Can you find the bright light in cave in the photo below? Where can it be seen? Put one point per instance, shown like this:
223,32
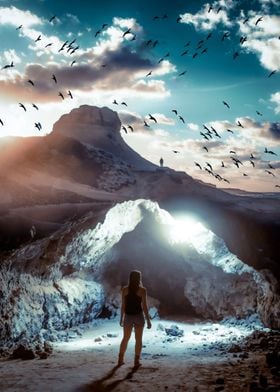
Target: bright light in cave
186,229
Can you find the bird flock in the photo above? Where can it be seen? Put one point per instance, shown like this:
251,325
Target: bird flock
191,49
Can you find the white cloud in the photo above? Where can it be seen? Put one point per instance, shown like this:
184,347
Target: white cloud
152,88
275,98
193,127
10,55
16,17
208,20
262,39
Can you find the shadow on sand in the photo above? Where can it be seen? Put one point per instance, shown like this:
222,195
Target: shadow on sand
101,385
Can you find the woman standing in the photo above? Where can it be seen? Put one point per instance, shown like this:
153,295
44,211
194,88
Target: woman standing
133,308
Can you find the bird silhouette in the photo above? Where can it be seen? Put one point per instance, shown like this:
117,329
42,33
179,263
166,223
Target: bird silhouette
205,148
52,19
270,166
277,186
38,126
259,20
149,74
61,95
258,113
229,130
266,151
70,94
73,62
178,19
22,106
252,156
184,53
54,78
175,151
152,118
38,38
19,27
131,128
11,65
272,73
232,152
209,36
48,45
205,127
226,104
124,103
35,106
128,31
223,165
124,128
252,163
146,124
269,172
31,82
182,119
182,73
210,166
115,102
155,43
225,35
239,124
175,111
198,165
1,122
245,20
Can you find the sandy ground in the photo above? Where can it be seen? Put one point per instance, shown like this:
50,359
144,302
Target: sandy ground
196,362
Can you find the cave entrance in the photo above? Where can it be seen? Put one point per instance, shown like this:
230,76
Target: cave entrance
187,269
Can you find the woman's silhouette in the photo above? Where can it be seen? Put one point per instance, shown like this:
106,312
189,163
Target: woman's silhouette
134,308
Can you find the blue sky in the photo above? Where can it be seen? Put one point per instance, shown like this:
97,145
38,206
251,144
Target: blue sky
162,34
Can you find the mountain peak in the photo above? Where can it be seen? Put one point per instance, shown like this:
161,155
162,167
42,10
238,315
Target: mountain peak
99,128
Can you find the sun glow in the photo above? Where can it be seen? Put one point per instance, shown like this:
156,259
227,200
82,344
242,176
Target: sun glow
189,230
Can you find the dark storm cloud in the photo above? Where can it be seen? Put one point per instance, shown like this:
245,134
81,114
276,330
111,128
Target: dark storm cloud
119,71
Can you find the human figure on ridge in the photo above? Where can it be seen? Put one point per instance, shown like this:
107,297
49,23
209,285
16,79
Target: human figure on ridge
133,309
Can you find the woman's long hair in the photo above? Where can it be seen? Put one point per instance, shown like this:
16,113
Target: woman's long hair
134,281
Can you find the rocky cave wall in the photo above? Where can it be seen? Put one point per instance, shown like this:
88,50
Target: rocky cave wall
81,269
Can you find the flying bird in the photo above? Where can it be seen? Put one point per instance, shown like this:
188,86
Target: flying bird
61,95
38,126
52,19
210,166
205,148
124,103
124,128
35,106
269,172
128,31
258,113
182,73
38,38
266,151
146,124
181,118
54,78
198,165
49,44
31,82
252,163
152,118
1,122
8,65
22,106
225,35
259,20
229,130
239,124
115,102
272,73
131,128
70,94
175,111
175,151
178,19
226,104
149,74
19,27
73,62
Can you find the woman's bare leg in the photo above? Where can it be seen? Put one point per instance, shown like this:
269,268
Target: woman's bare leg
123,346
138,330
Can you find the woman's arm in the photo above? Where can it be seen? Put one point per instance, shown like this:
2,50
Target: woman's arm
145,308
122,308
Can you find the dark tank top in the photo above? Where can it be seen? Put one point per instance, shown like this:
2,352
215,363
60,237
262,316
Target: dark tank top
133,303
